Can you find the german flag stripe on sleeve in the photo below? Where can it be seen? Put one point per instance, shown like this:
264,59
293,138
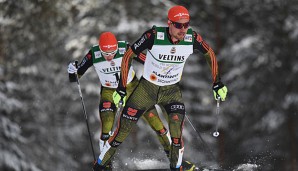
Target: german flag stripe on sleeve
125,66
142,57
214,65
211,54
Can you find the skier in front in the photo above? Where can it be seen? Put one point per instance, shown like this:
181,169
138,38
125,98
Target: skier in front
106,58
167,51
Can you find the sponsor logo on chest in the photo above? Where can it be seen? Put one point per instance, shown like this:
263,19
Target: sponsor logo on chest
171,58
112,63
97,54
188,38
122,51
173,50
160,35
111,69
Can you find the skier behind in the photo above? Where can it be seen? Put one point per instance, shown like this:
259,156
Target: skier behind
167,51
106,58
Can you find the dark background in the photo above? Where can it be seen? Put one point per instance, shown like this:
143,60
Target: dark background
42,123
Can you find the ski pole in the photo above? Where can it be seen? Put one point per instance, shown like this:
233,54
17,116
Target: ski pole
119,109
216,133
204,143
84,110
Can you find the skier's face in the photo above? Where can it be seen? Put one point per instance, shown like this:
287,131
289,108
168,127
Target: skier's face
109,55
178,29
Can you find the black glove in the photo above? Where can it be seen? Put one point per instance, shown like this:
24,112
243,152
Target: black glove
121,91
220,91
119,95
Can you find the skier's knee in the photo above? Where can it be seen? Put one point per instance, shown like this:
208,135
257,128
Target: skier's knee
176,142
162,131
175,107
131,113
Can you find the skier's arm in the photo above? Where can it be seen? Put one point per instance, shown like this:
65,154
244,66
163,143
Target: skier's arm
85,64
140,58
82,67
203,47
125,65
119,96
144,42
219,89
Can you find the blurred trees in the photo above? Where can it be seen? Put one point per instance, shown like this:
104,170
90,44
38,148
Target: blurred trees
42,124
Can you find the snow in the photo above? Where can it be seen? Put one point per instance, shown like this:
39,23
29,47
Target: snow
149,164
11,130
290,99
244,43
30,70
9,104
291,24
246,167
12,161
143,164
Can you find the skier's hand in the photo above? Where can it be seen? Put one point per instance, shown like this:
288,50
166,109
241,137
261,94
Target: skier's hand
220,91
119,96
72,71
72,68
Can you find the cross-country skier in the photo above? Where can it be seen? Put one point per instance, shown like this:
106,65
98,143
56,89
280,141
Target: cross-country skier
167,51
106,58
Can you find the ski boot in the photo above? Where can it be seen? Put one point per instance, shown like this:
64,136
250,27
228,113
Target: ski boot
188,166
97,167
176,169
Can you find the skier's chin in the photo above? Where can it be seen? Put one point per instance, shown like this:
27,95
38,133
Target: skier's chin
180,36
109,59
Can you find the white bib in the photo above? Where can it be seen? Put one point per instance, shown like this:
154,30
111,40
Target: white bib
164,63
109,72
